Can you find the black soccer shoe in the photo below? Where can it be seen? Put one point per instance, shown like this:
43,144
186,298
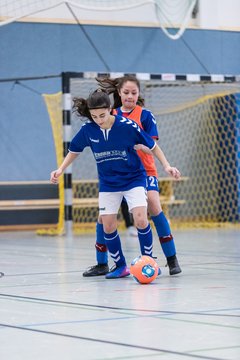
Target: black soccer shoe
1,274
96,270
172,263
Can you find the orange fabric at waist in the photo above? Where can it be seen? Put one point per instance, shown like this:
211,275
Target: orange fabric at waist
148,163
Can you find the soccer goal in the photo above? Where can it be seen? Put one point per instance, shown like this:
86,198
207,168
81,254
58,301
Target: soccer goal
198,119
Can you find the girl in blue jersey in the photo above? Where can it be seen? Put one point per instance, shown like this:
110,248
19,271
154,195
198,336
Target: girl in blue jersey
128,103
120,171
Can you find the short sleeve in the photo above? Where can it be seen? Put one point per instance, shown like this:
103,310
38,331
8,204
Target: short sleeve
80,141
149,123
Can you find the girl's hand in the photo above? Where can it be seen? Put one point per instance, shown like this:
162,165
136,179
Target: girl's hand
172,171
55,175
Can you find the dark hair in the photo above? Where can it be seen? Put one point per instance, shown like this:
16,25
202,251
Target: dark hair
98,99
113,86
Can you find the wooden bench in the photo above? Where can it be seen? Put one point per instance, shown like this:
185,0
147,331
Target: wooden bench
93,202
47,208
29,204
167,195
168,198
26,205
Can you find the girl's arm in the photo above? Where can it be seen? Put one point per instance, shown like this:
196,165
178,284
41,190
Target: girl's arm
66,162
158,153
144,149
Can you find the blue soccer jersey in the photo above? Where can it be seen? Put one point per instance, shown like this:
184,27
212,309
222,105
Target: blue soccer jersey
119,167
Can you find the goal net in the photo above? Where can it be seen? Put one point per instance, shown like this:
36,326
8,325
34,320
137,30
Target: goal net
199,132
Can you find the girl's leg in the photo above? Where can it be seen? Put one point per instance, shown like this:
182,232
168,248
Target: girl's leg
110,202
127,217
137,202
113,243
101,253
101,248
164,232
144,230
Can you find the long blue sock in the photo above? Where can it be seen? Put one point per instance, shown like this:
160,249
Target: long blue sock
114,247
101,248
146,240
164,234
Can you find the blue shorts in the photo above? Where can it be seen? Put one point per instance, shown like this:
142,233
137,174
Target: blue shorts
152,183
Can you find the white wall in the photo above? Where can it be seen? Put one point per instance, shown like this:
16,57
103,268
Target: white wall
219,14
213,14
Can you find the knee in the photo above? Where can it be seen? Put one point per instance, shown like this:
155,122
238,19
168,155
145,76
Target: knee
109,228
154,208
109,223
140,221
142,224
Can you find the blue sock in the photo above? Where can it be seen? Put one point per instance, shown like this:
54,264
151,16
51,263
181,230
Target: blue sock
146,240
101,248
114,247
164,234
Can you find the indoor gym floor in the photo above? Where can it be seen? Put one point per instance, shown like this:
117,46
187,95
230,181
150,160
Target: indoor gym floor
48,311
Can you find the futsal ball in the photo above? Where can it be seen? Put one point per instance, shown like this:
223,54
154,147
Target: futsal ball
144,269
